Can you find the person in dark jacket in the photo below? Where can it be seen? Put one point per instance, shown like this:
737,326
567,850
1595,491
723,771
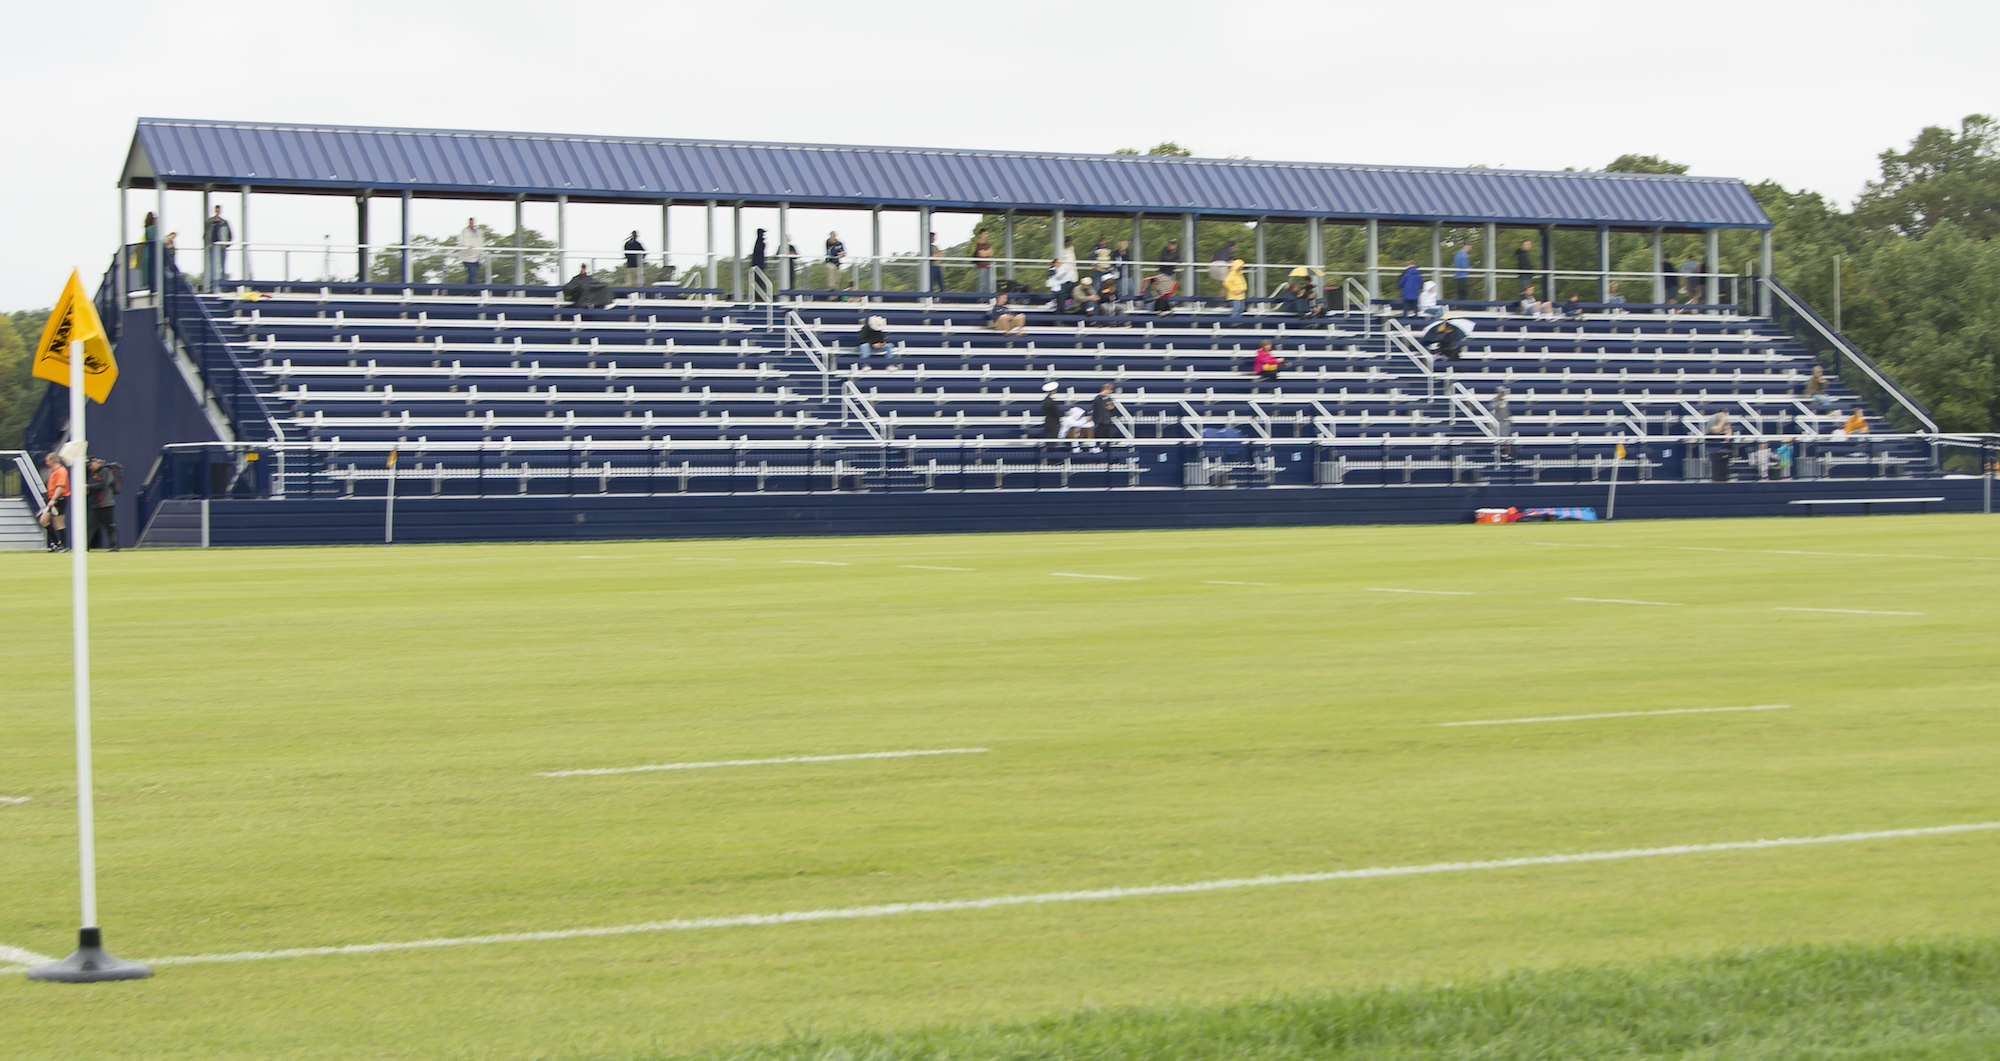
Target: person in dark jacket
102,500
635,259
1103,417
585,291
873,338
1051,416
757,251
1524,263
1410,284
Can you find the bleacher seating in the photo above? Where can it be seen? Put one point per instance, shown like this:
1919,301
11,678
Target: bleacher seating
348,364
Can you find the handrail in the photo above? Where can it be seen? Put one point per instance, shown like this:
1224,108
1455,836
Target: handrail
1465,401
852,400
1841,345
184,312
1404,341
822,359
31,477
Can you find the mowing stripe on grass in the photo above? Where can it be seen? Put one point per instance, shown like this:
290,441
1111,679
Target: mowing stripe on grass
15,799
934,567
762,762
1217,582
850,913
1115,578
1617,714
1427,592
1844,611
815,563
1615,600
1772,552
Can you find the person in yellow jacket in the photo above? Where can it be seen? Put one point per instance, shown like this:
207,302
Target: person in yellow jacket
1235,288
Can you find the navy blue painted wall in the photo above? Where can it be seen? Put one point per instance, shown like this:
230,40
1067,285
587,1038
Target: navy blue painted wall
585,517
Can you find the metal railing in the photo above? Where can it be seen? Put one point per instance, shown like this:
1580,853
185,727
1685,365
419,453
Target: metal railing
188,319
1889,392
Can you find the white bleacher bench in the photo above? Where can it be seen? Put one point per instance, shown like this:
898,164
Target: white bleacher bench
1867,503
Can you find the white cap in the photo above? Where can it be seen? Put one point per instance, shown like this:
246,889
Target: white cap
1048,386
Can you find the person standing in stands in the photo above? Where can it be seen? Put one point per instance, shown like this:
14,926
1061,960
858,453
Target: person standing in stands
982,262
55,492
1503,423
757,255
1121,260
1524,262
1787,452
1100,256
937,266
216,235
1103,416
835,251
635,260
101,502
1218,266
1051,415
1410,285
1461,271
1235,288
1721,450
1170,259
1670,281
470,244
1690,279
148,234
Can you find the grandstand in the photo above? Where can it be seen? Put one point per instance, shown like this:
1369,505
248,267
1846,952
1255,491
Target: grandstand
292,408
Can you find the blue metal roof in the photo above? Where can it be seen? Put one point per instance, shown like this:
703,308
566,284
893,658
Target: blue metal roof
461,164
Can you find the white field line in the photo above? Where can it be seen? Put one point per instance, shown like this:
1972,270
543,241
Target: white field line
713,559
1114,578
1770,552
1427,592
1217,582
1618,714
607,558
23,958
850,913
816,563
763,762
1615,600
1844,611
934,567
15,799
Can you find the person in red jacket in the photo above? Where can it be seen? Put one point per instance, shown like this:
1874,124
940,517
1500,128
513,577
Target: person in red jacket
1267,363
56,497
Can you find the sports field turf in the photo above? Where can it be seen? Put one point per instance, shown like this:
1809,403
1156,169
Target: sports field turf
307,748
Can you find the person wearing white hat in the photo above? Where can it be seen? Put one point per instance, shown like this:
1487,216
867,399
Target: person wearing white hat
1051,415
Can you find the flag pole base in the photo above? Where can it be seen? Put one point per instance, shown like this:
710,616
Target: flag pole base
90,964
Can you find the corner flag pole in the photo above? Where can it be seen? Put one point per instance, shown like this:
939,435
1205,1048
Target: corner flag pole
1611,505
90,963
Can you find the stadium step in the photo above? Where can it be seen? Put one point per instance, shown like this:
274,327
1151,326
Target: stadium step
18,530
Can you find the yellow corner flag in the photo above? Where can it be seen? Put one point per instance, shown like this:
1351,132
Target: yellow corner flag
73,318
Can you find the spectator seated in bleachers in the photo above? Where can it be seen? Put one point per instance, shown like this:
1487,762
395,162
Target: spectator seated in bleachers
1267,364
1816,388
1296,301
585,291
1427,300
1572,308
1533,306
873,338
1006,319
1161,289
1447,337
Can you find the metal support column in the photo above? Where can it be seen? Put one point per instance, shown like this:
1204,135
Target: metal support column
243,235
708,262
1007,242
1058,233
207,255
1764,270
1492,260
1712,268
785,279
923,248
1190,273
405,220
520,259
562,239
1548,263
736,251
1137,254
1603,263
875,245
1372,263
121,275
1659,266
361,237
1437,256
1315,254
1260,290
666,236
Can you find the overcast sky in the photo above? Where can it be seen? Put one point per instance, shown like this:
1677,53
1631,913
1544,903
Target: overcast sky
1804,94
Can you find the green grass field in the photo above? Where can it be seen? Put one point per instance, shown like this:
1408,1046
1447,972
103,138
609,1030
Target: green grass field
302,748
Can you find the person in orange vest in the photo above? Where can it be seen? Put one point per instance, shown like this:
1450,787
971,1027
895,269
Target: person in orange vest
55,492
